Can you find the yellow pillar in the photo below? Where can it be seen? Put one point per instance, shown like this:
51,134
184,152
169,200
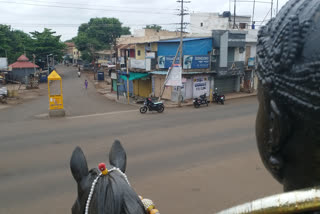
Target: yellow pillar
55,96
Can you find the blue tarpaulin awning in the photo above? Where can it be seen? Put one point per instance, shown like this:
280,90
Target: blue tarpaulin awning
134,76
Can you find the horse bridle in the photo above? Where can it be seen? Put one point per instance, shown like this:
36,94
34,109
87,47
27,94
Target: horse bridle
147,203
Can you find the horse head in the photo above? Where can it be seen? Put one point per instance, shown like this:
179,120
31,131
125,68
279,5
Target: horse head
107,193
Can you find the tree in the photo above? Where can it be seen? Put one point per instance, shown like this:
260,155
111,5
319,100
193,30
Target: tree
45,43
98,34
155,27
13,43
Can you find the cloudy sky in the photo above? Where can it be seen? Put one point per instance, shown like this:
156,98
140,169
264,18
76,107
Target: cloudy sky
64,17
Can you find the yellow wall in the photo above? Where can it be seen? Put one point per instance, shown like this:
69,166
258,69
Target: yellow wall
142,88
75,53
154,46
158,84
140,47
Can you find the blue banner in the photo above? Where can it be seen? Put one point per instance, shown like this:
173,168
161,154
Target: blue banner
196,62
166,61
189,61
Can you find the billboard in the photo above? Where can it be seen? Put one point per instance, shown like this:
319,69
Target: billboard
189,61
201,85
3,63
166,61
175,76
196,62
138,63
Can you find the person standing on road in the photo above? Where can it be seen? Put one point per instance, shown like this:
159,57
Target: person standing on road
86,84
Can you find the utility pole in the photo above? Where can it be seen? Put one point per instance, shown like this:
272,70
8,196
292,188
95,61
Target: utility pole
234,13
128,83
182,13
254,8
277,6
271,8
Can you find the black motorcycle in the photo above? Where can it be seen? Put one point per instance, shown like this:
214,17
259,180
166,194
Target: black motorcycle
151,106
218,98
197,102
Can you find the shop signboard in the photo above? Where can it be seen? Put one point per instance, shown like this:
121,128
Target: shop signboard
138,63
175,76
200,86
166,61
196,62
3,63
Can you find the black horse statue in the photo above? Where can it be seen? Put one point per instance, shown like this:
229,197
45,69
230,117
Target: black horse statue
104,193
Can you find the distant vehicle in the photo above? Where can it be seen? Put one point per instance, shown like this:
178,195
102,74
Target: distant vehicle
202,100
151,106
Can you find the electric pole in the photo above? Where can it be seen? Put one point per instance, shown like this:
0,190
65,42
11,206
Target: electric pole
254,8
234,13
271,8
182,13
277,6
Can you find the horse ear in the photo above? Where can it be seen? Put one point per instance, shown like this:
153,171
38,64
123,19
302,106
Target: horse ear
78,164
117,156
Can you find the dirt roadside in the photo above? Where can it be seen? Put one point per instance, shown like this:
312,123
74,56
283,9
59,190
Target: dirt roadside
24,95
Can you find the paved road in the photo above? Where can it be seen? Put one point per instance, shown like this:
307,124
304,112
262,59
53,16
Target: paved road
77,100
187,160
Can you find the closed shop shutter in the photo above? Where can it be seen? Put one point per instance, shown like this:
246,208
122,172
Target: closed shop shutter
136,87
225,85
145,87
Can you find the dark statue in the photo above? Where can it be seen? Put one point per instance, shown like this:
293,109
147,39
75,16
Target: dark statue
287,125
288,120
113,194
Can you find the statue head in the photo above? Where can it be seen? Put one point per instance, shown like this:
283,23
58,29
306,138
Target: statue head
288,120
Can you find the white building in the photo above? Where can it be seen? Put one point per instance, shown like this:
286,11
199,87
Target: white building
204,23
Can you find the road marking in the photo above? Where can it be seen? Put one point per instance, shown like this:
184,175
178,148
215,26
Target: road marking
101,114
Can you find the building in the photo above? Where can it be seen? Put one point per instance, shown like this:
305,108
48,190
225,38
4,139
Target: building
140,50
197,77
72,52
234,48
138,45
204,23
22,69
105,57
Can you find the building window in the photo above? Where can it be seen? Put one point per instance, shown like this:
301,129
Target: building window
201,24
139,52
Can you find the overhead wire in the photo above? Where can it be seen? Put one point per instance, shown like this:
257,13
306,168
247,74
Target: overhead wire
96,5
87,8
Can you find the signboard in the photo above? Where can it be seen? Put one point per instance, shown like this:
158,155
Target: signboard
3,63
196,62
200,86
251,62
175,76
150,55
189,61
166,61
114,76
138,63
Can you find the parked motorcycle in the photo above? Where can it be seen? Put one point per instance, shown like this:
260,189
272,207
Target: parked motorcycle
3,95
3,99
151,106
202,100
218,98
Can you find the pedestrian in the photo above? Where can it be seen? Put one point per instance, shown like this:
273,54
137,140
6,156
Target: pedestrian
86,84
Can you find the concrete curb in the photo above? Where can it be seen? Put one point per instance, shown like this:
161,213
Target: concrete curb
174,105
227,98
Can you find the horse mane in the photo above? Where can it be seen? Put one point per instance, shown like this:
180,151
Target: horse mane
113,195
